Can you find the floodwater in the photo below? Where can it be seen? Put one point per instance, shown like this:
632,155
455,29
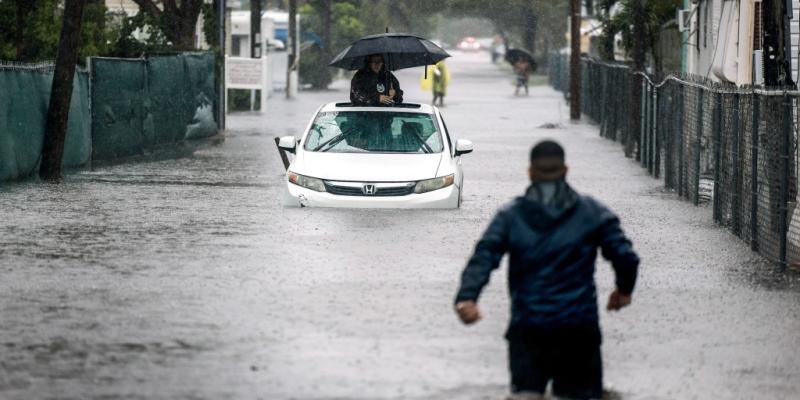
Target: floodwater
185,278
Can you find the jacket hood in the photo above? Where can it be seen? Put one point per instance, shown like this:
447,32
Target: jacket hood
546,203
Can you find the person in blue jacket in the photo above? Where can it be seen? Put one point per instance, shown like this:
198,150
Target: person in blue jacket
551,235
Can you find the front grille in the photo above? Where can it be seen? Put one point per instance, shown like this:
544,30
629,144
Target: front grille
386,191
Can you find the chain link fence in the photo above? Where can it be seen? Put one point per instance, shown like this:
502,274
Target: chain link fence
732,148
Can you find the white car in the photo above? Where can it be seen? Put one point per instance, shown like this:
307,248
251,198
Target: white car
375,157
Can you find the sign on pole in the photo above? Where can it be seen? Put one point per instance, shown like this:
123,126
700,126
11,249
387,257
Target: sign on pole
247,73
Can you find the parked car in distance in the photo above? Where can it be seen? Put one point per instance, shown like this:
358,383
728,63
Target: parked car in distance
469,43
375,157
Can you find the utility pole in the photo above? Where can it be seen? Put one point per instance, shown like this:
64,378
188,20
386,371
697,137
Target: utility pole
293,49
55,130
222,89
632,143
575,61
255,29
255,40
326,14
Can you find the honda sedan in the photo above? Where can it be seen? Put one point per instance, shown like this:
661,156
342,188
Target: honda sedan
375,157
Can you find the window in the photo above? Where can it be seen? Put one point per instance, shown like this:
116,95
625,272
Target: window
380,132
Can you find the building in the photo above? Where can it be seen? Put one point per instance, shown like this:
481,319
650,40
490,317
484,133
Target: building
724,39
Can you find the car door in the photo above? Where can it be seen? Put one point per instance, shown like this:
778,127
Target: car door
451,145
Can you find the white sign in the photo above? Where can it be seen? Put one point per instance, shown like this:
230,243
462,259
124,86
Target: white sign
248,73
244,73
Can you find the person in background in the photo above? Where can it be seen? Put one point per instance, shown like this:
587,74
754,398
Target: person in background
441,77
522,70
552,234
374,85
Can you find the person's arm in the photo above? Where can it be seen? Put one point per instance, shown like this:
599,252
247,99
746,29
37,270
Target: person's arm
398,93
488,252
617,249
359,92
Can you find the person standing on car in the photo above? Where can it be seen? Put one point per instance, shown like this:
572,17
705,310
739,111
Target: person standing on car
374,85
552,235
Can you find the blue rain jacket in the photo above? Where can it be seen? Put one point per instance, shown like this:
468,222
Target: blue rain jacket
552,248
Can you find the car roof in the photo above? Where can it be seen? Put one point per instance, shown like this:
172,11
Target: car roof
403,107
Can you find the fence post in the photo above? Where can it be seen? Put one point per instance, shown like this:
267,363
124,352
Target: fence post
716,130
656,136
754,173
681,130
736,205
642,119
653,152
699,137
785,145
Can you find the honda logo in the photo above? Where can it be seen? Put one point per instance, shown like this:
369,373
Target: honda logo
368,189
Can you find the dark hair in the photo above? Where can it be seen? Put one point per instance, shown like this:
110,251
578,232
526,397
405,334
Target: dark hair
547,150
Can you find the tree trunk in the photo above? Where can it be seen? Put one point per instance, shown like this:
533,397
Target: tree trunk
607,38
326,13
61,92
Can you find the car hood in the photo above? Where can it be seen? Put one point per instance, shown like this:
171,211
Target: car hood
371,167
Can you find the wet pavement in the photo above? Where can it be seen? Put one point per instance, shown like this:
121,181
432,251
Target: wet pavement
186,278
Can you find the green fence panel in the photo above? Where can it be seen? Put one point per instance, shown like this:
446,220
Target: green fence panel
24,98
118,92
202,90
167,101
78,143
22,108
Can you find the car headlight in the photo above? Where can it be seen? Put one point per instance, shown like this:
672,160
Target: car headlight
433,184
306,181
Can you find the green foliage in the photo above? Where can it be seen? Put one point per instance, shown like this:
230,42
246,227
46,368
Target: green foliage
657,14
126,45
346,27
39,31
35,37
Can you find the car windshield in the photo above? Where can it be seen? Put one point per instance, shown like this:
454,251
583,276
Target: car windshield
374,131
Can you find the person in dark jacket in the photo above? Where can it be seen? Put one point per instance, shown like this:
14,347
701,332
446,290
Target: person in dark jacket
374,85
552,235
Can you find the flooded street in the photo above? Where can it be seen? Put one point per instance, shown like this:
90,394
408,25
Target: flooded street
186,278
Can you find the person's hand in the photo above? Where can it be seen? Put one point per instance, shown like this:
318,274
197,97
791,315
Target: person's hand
386,100
391,93
617,300
468,312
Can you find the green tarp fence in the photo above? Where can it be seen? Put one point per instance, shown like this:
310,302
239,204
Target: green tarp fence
127,107
24,98
139,105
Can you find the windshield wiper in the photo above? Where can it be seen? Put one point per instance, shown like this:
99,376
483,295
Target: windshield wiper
332,142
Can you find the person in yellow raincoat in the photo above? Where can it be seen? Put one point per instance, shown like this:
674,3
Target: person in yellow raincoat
436,79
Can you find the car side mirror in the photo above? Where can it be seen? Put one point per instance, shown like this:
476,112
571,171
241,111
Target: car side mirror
463,146
288,143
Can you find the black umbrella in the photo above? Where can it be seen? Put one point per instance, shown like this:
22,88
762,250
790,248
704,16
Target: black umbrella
399,50
514,55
